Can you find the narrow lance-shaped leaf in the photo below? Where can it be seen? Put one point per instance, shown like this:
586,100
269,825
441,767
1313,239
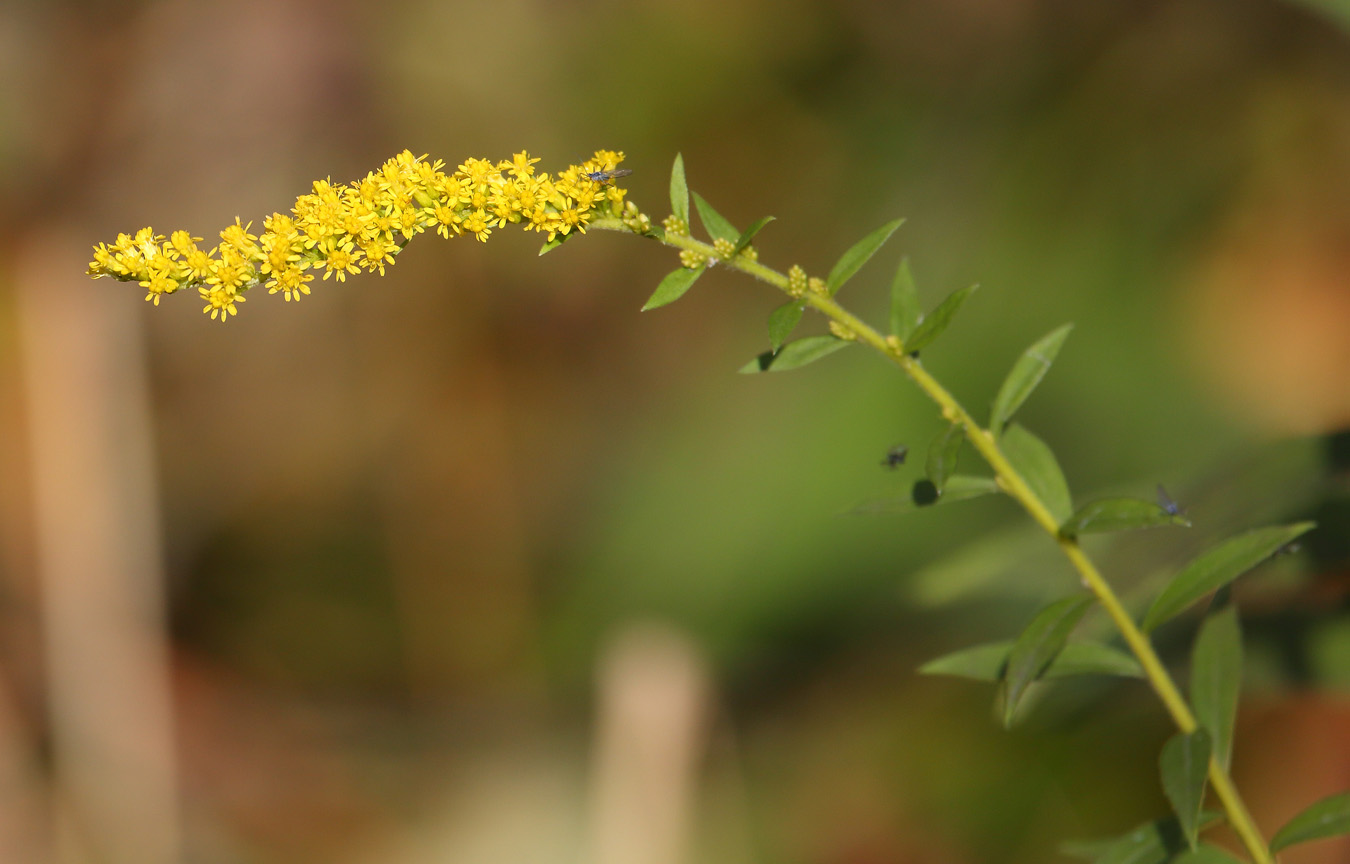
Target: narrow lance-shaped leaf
1216,679
1118,514
942,455
713,222
674,286
978,662
853,260
1036,463
1093,658
679,190
1205,854
783,320
905,309
1038,645
959,487
1026,373
935,323
1151,843
1326,818
1220,566
795,354
749,234
987,662
1184,764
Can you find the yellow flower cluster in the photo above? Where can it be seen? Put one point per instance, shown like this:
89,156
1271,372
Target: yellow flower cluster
361,226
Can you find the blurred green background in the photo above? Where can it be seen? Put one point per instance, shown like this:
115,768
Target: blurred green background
474,562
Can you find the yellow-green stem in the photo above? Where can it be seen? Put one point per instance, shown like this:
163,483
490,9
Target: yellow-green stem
1012,483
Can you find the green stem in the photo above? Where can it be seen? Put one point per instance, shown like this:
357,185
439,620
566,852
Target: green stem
1012,483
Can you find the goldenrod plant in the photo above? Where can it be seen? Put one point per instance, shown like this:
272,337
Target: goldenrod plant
361,227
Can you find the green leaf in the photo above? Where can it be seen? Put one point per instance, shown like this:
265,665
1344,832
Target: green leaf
749,234
1151,843
679,190
961,487
853,260
674,286
986,662
978,662
795,354
717,227
1026,373
1093,658
1034,460
783,320
1216,679
1220,566
942,455
935,322
1205,854
1038,645
1118,514
1326,818
905,308
1184,764
558,240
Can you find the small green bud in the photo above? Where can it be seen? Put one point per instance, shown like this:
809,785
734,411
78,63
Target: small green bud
691,259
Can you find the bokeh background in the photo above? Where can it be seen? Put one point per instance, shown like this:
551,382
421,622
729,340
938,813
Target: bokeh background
475,563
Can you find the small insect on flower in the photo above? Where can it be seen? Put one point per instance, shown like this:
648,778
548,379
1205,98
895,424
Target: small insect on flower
1169,506
606,176
895,457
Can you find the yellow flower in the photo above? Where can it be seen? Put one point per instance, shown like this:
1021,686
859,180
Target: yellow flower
237,236
198,264
447,220
377,253
161,280
220,301
232,272
521,164
339,259
478,224
293,281
183,243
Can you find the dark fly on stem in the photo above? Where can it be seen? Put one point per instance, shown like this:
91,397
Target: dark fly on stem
895,457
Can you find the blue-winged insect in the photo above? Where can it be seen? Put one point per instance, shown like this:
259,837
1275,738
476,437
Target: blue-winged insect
895,457
606,176
1170,507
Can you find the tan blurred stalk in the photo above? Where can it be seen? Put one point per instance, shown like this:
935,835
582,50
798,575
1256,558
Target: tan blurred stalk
22,838
97,552
650,740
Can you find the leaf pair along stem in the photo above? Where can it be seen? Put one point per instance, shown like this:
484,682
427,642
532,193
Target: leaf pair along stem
986,442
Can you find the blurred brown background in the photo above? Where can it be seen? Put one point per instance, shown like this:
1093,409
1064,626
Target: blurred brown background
475,563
